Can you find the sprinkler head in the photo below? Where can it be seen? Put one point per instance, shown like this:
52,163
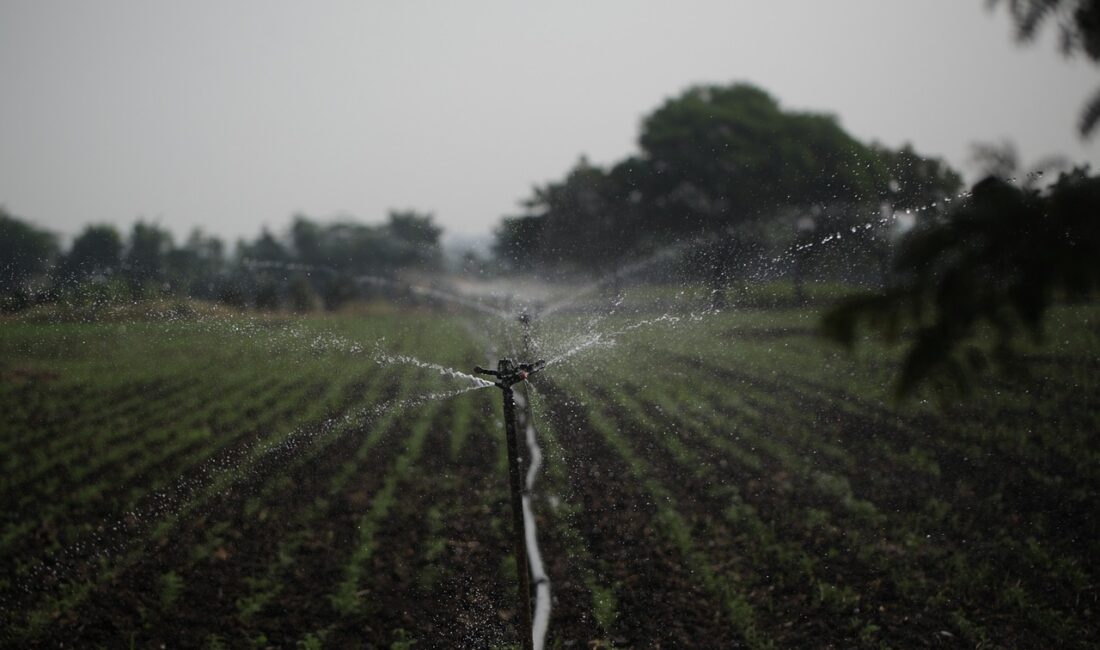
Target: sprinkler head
509,373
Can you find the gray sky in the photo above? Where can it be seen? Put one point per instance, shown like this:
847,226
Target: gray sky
230,115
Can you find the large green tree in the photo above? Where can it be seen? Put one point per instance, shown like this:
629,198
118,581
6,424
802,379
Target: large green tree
727,168
194,267
342,251
25,251
587,221
408,239
414,239
144,262
266,248
97,250
724,155
516,241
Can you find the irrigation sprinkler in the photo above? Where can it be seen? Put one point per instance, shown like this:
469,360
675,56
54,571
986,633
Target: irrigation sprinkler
507,375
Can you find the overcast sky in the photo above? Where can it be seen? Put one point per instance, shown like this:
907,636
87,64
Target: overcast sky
232,115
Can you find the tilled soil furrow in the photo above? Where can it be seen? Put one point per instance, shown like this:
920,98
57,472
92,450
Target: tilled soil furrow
659,601
132,599
299,507
776,591
107,506
566,559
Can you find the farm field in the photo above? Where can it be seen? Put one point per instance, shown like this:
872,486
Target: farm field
708,480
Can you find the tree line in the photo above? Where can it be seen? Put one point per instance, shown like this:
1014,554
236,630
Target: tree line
728,168
744,183
310,265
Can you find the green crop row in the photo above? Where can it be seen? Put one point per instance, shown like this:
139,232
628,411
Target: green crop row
785,495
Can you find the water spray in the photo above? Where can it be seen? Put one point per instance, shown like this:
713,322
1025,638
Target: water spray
507,375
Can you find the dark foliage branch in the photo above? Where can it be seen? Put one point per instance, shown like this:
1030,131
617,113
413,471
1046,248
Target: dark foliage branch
1078,23
989,271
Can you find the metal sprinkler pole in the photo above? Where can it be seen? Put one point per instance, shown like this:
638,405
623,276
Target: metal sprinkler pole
507,374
